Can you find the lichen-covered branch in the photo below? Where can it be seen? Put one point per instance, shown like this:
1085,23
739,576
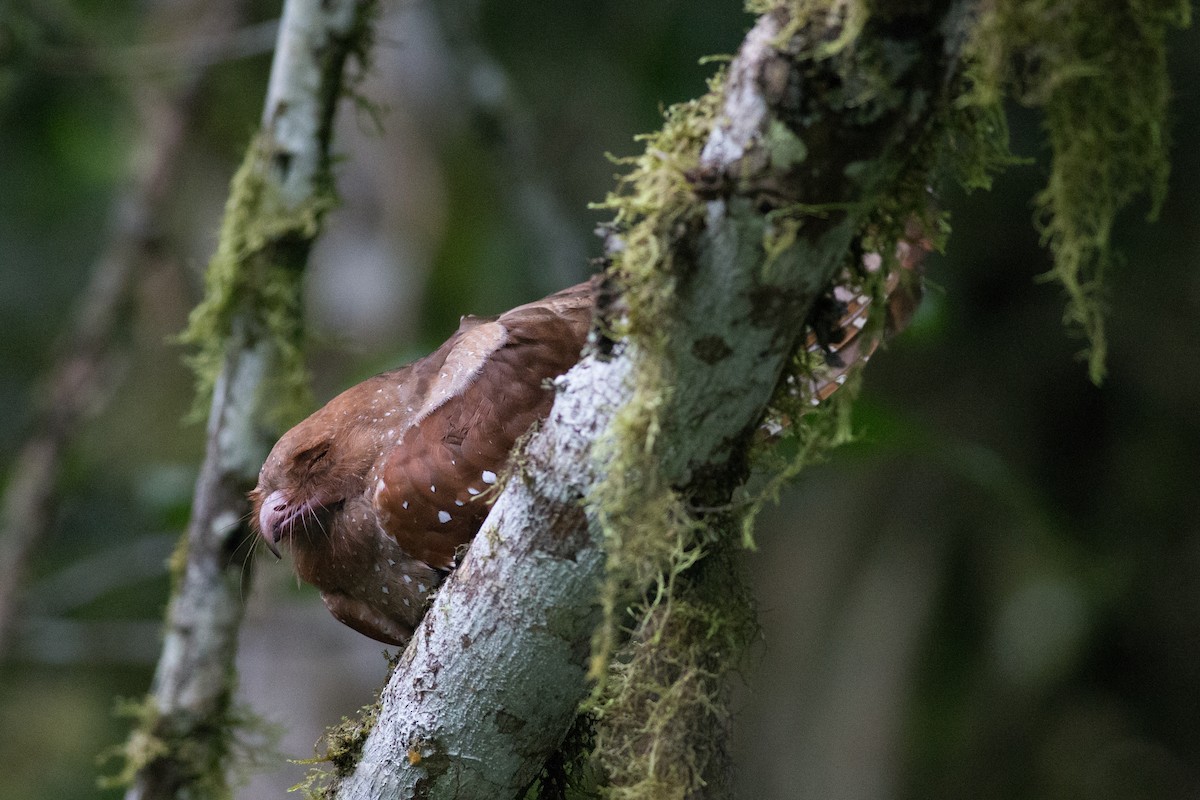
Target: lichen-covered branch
247,331
727,230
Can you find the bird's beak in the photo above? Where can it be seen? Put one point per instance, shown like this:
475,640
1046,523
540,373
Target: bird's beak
270,519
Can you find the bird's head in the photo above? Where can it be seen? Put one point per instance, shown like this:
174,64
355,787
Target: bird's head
310,474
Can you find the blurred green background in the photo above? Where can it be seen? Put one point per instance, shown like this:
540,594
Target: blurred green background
993,594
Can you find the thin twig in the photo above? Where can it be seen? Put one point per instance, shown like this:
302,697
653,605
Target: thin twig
192,53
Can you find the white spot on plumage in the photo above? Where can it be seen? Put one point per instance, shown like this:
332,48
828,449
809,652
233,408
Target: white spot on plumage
392,562
472,490
406,602
443,517
432,488
404,505
384,589
859,322
408,578
422,588
489,476
840,379
458,502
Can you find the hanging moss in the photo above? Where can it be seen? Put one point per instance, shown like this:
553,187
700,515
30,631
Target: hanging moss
663,728
1097,70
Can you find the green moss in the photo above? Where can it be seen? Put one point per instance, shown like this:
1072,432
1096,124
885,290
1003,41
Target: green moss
343,744
140,749
651,539
207,758
648,531
1098,72
663,727
177,563
255,278
853,15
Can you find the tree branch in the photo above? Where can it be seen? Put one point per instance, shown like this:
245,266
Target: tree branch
277,203
815,131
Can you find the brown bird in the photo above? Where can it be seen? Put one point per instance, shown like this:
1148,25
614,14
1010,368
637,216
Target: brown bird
377,491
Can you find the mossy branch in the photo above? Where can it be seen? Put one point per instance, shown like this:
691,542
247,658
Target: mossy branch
255,279
818,145
728,228
248,335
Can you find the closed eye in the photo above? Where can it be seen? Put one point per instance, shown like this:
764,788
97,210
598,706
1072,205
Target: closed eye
310,458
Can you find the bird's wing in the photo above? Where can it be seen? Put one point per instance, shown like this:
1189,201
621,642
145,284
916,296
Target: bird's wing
432,491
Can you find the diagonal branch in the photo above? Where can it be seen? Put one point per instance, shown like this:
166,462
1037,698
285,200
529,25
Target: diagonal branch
740,217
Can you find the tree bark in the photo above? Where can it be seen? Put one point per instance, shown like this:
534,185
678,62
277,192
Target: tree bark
495,673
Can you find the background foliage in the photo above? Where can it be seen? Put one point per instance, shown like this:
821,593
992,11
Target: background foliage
992,593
